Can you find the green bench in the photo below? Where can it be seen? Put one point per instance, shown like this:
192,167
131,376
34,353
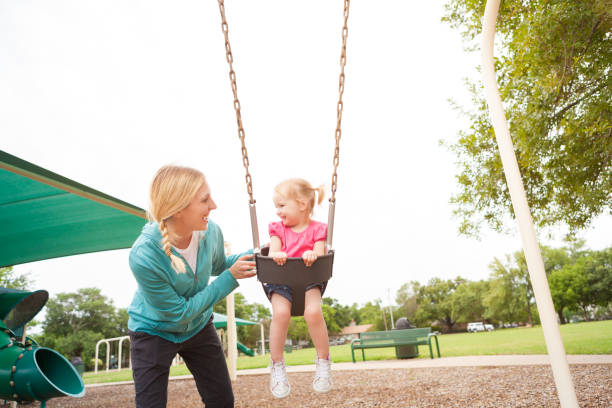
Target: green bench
393,338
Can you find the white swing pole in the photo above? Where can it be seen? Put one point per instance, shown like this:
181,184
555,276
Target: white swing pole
548,317
232,337
263,339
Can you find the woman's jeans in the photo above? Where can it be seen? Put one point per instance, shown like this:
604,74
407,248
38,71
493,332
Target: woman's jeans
151,359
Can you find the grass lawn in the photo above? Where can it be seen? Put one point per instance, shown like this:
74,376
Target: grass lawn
578,338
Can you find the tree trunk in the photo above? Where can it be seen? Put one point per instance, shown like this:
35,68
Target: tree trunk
449,323
561,318
585,313
529,316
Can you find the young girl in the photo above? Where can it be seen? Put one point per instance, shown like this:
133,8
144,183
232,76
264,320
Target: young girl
297,235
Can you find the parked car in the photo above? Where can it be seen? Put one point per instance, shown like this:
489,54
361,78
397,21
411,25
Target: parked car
337,341
475,327
489,327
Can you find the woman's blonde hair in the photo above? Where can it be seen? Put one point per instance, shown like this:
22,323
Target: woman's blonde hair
172,190
300,189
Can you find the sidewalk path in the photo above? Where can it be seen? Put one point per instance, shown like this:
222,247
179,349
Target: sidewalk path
464,361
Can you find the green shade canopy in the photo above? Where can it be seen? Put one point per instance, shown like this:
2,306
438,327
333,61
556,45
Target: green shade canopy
44,215
220,321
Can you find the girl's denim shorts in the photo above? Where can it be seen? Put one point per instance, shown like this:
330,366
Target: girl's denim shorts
285,291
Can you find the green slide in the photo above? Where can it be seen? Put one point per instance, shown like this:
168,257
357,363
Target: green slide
245,349
29,372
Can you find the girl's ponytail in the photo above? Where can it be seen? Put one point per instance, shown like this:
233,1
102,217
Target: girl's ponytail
320,194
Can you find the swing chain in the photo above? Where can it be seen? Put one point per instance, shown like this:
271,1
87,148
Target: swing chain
340,105
230,59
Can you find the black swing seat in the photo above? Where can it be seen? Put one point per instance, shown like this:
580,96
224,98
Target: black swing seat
295,274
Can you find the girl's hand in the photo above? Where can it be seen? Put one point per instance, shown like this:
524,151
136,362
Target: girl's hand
279,257
309,257
242,268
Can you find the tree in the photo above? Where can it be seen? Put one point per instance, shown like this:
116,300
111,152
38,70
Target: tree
567,288
298,329
583,284
597,266
75,322
10,279
553,70
434,301
373,313
87,309
342,315
467,301
510,296
407,301
555,259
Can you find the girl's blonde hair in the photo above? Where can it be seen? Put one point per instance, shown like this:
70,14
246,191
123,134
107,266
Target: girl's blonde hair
172,190
300,189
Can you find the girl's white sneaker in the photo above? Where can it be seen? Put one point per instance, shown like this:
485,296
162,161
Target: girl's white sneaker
279,383
322,381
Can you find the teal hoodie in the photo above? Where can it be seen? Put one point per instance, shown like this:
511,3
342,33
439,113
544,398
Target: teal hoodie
176,306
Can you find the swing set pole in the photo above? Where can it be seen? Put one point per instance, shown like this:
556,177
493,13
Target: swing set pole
548,317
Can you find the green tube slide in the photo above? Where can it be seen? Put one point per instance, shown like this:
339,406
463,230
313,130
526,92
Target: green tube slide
29,372
245,349
32,373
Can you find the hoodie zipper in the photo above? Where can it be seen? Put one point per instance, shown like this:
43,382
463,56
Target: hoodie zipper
195,277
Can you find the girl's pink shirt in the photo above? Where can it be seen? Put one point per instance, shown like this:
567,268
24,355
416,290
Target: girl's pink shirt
294,244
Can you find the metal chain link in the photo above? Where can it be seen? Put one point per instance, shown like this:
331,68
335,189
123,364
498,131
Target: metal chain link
340,105
232,75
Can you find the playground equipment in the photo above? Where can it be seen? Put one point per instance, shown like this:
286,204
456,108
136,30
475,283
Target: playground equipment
245,349
41,206
294,274
267,271
535,264
29,372
107,342
17,307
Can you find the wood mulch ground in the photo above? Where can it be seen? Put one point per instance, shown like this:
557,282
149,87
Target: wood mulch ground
514,386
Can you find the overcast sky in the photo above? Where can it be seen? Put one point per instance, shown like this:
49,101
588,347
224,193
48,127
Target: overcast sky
106,92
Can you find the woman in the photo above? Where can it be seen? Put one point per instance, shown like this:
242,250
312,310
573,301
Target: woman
172,261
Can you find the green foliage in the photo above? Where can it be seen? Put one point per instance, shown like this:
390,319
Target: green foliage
255,312
342,315
510,296
582,284
370,313
87,309
10,279
298,329
435,302
75,322
329,314
553,70
467,301
597,266
567,287
407,301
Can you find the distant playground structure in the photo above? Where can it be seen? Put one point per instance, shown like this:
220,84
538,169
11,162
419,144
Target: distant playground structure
112,363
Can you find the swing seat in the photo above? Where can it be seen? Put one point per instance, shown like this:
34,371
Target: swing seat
295,274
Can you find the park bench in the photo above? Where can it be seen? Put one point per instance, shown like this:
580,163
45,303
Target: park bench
394,338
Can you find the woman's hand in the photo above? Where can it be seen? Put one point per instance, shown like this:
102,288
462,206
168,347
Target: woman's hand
309,257
279,257
242,268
